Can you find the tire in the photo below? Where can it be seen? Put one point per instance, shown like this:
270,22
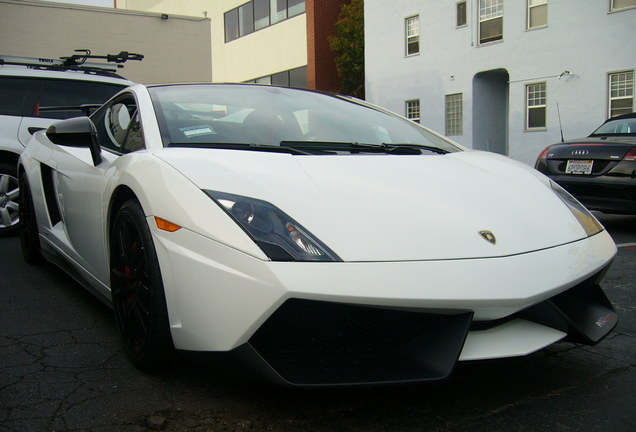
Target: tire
28,227
9,196
139,302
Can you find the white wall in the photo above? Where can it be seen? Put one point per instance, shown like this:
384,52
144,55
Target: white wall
582,36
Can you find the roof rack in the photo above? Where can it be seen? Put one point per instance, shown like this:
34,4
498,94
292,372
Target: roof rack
76,62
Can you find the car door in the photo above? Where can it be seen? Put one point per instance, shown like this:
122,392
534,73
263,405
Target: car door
83,188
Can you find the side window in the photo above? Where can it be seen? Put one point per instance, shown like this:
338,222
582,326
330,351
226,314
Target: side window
18,96
134,139
118,126
117,121
72,94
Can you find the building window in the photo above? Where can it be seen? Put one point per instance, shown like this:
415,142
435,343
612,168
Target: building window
258,14
261,14
454,114
622,4
621,93
461,13
412,35
278,10
295,7
290,78
537,14
535,106
490,20
231,25
413,110
246,19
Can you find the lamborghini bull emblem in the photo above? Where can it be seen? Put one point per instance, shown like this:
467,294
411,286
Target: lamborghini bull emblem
488,236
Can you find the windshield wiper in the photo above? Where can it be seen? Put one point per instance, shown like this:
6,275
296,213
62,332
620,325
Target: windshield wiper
356,147
412,147
241,146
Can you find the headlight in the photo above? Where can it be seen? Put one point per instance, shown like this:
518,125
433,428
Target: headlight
585,218
276,233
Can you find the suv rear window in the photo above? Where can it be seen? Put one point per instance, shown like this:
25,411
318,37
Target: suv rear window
27,96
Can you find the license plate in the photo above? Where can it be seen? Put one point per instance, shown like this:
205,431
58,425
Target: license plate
579,167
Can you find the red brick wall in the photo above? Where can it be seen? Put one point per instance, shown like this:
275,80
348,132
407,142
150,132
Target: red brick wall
321,68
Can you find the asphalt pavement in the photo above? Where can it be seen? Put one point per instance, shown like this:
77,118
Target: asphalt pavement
62,369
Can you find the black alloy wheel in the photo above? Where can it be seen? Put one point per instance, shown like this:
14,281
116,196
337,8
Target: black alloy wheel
9,195
139,302
29,234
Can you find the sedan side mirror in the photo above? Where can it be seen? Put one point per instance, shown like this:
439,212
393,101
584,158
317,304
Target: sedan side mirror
76,132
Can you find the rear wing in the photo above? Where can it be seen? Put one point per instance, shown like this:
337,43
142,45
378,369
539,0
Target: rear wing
76,62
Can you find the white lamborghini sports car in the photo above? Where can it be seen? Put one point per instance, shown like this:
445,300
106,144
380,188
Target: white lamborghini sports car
316,238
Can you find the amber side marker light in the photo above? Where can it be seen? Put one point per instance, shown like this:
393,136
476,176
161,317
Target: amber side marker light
165,225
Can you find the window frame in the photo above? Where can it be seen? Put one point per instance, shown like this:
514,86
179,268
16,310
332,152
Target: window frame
500,3
454,121
465,13
613,8
529,7
543,106
609,91
408,110
407,37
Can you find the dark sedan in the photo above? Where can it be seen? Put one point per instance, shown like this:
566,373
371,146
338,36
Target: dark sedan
600,170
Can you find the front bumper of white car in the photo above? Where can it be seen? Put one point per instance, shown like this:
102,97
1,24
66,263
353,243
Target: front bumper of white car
314,324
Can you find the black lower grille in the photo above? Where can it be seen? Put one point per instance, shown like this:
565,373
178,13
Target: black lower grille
304,327
309,342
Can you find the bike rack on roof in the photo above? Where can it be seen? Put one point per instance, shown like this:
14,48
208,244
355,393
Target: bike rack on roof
75,62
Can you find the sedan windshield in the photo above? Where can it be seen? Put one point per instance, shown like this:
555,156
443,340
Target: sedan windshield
266,117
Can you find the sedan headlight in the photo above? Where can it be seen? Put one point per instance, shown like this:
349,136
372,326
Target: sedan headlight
585,218
276,233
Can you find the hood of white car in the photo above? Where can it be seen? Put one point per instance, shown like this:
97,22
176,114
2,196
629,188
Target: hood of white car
395,207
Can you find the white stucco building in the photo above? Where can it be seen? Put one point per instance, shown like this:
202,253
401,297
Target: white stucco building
490,74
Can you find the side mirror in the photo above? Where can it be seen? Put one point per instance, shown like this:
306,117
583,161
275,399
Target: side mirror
76,132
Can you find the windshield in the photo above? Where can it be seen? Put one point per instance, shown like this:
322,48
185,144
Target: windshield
211,115
625,126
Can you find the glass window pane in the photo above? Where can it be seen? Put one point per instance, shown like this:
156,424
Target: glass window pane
412,25
246,19
621,106
413,110
261,14
536,117
413,46
619,4
73,94
18,96
454,114
264,80
538,16
281,79
278,9
298,77
491,30
490,9
231,25
461,14
622,84
295,7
